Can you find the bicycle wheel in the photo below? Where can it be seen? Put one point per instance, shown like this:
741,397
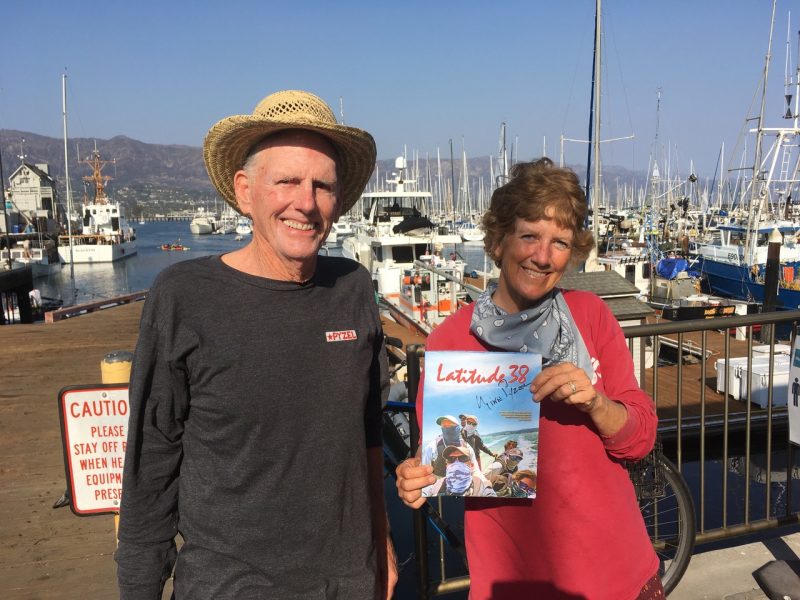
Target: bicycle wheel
668,512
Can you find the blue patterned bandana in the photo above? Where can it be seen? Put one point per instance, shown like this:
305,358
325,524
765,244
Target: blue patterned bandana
458,478
547,328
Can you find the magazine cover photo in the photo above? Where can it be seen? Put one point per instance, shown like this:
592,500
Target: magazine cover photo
480,425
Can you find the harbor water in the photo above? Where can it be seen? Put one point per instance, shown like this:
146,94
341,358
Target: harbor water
105,280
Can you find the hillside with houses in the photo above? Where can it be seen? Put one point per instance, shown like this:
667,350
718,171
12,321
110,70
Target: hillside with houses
155,178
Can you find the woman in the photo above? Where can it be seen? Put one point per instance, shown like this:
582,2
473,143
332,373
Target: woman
583,536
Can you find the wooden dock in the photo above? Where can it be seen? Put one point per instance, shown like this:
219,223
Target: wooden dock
48,553
686,385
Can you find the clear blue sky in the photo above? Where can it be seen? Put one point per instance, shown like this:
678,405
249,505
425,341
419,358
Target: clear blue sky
414,73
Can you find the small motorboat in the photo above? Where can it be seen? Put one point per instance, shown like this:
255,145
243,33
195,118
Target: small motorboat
174,247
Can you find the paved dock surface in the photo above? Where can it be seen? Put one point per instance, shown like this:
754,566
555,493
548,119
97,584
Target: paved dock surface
48,553
727,574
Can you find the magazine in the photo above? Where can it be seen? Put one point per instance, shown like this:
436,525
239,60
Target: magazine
480,425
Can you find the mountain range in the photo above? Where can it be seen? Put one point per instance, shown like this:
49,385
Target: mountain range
173,177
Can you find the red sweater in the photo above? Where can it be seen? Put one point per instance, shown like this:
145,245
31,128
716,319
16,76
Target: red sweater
583,537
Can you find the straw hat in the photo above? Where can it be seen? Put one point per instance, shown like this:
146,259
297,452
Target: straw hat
229,141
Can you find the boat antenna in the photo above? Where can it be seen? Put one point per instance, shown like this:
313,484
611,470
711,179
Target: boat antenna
502,176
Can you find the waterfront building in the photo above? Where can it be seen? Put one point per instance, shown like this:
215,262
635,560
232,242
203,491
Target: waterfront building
32,198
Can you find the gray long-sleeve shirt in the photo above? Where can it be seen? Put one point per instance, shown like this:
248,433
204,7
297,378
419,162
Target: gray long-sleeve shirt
252,403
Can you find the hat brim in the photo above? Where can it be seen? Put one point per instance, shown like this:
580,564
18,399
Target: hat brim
450,450
229,141
448,417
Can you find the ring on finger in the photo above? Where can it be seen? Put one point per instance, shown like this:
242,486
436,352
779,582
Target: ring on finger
572,387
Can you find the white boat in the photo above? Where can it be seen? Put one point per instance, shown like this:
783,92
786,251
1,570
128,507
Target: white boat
244,226
105,236
395,241
471,232
227,222
203,223
42,258
339,231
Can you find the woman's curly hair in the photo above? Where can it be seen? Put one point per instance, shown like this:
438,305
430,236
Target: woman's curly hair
538,190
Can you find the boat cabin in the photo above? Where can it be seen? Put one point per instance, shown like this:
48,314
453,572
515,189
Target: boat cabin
384,206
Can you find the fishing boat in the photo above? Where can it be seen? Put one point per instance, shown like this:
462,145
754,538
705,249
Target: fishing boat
105,236
203,223
395,237
734,262
244,226
735,265
42,257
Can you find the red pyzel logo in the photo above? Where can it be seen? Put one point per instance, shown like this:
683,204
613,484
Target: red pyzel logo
341,336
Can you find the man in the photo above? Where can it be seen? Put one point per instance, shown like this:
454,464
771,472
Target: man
461,479
526,481
502,470
433,453
248,364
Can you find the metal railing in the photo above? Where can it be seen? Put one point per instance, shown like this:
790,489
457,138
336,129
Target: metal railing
690,437
687,437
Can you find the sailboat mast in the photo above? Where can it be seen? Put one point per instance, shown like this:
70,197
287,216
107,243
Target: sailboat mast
596,134
758,191
503,153
453,187
594,126
439,181
593,158
466,206
5,214
66,175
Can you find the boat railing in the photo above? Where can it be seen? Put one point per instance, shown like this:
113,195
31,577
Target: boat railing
447,273
94,238
731,445
21,253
